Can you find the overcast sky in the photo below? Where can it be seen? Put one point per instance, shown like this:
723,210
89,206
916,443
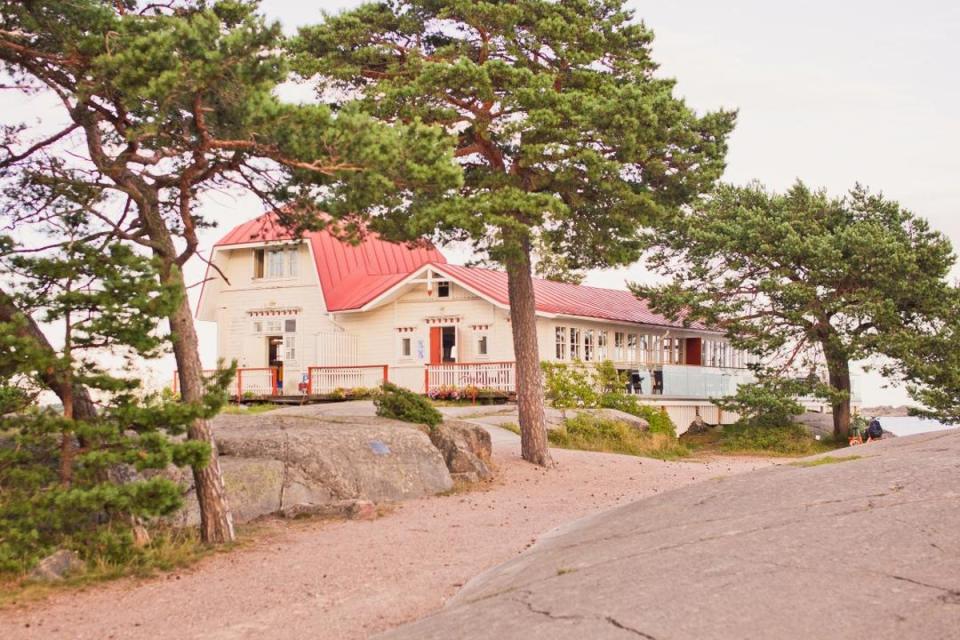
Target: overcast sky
833,93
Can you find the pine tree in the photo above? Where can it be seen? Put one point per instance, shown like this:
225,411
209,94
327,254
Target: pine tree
165,102
564,132
58,476
804,277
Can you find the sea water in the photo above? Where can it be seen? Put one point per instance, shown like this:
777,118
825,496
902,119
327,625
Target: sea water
910,425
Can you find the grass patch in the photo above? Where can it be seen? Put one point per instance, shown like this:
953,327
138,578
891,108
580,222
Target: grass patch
753,440
510,426
249,409
169,549
819,462
589,433
787,440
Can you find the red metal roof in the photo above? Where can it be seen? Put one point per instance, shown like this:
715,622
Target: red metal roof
350,275
565,299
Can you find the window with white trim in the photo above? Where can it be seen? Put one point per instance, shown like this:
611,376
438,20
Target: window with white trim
443,289
588,345
574,343
406,347
482,344
289,348
275,263
561,340
618,342
632,348
602,337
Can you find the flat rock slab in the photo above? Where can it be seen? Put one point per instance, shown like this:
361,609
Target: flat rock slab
859,548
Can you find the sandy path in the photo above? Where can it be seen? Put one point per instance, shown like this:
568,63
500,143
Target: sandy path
352,579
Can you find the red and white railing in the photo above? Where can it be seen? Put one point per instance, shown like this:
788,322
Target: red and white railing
259,381
321,380
494,376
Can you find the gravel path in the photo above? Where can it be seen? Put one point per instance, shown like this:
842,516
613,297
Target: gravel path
353,579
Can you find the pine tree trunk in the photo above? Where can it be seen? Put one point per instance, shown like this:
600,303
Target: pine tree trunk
529,382
838,369
216,521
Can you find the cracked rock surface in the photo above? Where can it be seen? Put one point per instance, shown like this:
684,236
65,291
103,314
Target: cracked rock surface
862,547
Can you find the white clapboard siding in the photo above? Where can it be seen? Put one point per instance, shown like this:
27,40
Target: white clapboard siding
337,348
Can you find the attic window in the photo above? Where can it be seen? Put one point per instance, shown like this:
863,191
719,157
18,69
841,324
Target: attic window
443,289
258,263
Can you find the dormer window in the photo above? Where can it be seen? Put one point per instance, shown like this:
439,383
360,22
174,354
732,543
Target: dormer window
275,263
443,289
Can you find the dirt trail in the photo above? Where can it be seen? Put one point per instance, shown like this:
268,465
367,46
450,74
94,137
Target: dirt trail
353,579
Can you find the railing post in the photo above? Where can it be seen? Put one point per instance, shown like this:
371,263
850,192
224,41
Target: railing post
239,384
309,381
426,379
386,374
273,381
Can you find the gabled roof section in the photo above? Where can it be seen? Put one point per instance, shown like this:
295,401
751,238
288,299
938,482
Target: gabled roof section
350,275
558,298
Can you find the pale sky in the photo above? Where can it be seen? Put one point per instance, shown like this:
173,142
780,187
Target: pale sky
832,93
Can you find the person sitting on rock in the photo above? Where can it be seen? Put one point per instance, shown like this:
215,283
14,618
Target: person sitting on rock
874,431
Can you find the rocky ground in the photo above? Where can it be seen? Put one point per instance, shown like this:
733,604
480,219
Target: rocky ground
351,579
862,545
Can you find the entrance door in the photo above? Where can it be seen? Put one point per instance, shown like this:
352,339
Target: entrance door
694,351
443,345
275,357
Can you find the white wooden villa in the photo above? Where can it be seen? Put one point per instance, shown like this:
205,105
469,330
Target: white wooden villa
312,315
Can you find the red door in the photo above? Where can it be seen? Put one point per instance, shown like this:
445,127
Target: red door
695,351
436,345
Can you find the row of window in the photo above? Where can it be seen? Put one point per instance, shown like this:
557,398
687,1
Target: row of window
588,345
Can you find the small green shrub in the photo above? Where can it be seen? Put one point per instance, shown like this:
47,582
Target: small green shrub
402,404
790,439
590,433
607,379
658,419
569,386
770,402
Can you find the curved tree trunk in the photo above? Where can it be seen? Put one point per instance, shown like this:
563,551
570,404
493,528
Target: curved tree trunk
77,395
216,521
533,430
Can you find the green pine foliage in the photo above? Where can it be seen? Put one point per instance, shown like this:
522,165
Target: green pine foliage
84,483
769,402
802,279
402,404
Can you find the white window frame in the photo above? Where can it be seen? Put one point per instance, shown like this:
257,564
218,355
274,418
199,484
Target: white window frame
575,343
560,339
619,342
481,338
289,348
589,346
405,341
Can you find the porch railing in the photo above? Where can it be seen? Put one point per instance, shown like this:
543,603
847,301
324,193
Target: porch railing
260,381
328,379
495,376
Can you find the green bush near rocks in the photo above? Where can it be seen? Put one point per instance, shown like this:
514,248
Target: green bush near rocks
402,404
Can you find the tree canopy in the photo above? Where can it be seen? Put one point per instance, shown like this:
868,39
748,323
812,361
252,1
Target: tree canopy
162,103
563,129
804,279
